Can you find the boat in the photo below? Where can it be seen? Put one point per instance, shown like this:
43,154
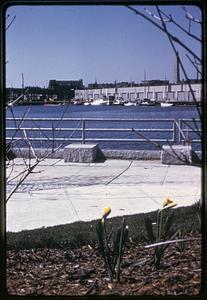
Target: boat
100,102
52,104
77,102
129,103
166,104
118,101
147,102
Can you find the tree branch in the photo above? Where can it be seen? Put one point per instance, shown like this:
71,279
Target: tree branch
174,38
180,62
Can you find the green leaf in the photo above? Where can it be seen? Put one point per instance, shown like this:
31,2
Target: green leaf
168,223
149,229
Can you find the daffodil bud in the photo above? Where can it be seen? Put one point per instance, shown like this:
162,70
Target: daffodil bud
106,212
172,204
167,201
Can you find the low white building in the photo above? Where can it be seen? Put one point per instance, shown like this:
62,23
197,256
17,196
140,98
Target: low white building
178,92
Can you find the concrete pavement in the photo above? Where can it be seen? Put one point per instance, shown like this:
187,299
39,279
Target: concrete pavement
59,193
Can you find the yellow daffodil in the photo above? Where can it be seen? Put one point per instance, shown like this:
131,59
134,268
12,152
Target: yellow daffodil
106,212
168,203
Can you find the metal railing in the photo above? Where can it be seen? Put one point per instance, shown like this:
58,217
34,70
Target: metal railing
190,130
104,130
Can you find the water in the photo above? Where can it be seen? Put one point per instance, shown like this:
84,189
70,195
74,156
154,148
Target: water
116,112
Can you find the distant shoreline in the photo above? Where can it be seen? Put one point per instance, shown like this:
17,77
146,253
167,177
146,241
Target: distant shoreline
58,103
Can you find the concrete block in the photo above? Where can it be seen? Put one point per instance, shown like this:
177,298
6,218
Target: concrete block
82,153
176,155
132,154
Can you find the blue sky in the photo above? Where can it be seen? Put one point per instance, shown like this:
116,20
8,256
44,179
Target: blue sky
106,43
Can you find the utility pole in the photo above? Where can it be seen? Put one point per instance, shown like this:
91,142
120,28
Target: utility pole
22,81
177,68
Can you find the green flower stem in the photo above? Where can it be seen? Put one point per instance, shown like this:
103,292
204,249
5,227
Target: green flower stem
160,228
107,254
120,252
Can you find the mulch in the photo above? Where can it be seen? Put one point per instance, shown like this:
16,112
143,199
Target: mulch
78,272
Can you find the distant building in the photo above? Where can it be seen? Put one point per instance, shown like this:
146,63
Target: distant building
152,89
61,90
65,89
29,94
155,82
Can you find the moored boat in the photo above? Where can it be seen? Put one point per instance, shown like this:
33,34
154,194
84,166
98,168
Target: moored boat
166,104
100,102
147,102
129,103
119,101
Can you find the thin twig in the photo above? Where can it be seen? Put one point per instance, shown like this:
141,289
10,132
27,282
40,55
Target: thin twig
18,128
12,103
120,173
91,287
30,145
174,38
185,160
195,130
9,25
194,64
29,170
11,171
22,180
189,16
180,62
171,242
181,27
19,174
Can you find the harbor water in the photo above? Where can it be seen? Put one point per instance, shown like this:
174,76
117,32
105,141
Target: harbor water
117,119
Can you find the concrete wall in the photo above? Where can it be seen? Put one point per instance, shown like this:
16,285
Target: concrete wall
102,154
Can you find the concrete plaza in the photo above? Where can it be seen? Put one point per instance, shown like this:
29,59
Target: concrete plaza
59,193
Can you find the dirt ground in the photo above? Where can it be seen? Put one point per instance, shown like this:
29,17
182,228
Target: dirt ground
82,271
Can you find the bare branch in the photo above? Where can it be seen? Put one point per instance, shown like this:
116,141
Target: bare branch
30,145
196,129
181,27
180,62
194,64
12,103
168,19
174,38
183,160
22,180
9,25
18,175
189,16
18,126
11,171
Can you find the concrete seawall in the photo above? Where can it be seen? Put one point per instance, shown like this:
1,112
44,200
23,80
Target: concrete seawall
102,154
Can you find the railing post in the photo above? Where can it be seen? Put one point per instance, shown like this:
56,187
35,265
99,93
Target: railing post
180,128
174,131
83,131
53,138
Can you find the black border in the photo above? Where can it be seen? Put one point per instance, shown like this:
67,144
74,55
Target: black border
3,6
